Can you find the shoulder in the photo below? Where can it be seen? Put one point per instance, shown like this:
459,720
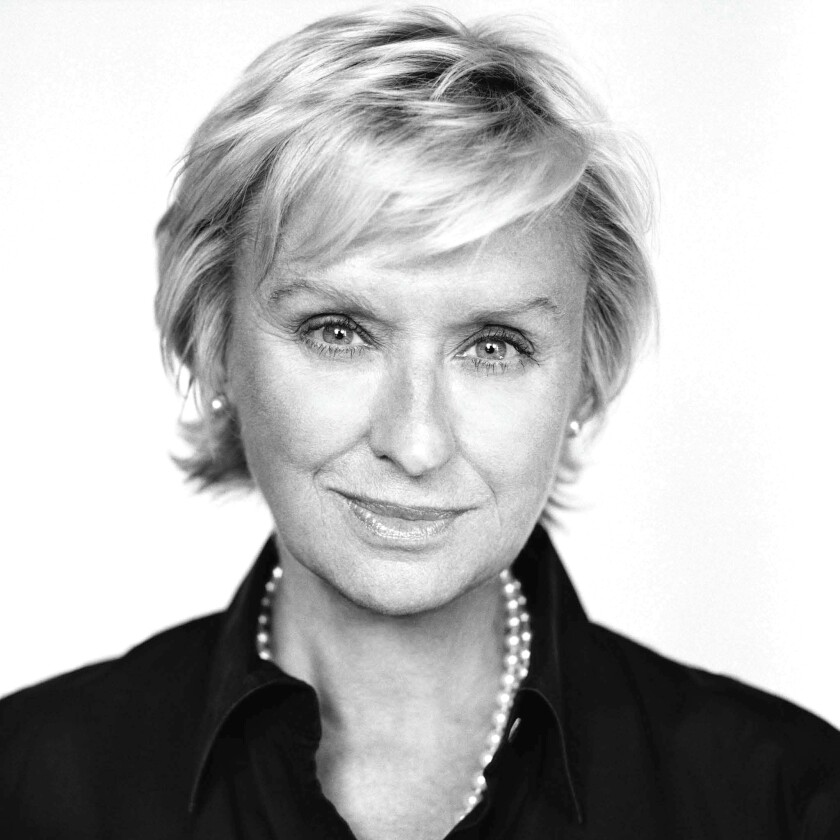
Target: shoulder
685,697
719,736
71,736
136,679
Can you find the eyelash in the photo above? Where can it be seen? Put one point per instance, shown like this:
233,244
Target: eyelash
331,350
487,366
490,366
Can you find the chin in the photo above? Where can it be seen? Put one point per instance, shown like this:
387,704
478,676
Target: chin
399,589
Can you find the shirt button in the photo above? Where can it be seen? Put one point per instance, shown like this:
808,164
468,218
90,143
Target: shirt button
514,727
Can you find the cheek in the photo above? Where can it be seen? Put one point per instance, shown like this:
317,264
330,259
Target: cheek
512,435
293,416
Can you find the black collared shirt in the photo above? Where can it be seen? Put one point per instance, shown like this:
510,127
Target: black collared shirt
191,735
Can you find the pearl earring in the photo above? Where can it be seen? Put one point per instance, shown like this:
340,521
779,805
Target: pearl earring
218,403
574,428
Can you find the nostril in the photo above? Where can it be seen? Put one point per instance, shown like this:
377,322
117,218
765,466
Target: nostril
410,424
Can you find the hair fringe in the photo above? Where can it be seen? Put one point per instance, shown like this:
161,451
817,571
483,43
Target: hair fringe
407,129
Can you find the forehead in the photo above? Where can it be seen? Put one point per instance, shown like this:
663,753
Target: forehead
523,261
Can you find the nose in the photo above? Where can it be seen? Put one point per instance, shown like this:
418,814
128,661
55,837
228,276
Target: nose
410,424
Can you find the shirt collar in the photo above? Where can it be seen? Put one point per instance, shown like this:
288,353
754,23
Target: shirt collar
559,625
236,671
557,617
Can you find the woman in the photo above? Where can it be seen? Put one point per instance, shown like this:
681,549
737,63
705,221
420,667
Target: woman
404,267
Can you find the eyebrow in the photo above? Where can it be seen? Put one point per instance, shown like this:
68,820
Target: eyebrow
523,307
359,303
289,287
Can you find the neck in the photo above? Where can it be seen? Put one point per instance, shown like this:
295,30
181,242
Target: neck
406,701
387,669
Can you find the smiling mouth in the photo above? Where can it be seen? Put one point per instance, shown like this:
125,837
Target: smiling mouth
401,523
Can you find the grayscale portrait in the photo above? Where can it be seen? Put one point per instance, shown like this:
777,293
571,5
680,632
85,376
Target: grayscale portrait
479,496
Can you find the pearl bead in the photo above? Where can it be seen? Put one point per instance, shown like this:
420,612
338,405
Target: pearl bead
516,659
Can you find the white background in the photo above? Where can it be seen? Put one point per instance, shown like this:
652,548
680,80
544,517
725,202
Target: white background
708,527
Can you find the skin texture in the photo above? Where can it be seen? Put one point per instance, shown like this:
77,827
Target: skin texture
409,419
444,383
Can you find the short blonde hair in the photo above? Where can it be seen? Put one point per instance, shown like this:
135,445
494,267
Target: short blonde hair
403,128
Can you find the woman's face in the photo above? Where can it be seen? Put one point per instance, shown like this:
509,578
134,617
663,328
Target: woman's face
405,422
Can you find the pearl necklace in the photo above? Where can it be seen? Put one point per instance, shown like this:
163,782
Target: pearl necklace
516,660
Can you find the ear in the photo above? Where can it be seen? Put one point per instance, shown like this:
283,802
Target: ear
585,406
211,388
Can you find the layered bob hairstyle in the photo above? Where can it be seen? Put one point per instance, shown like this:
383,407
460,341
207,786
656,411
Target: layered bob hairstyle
411,131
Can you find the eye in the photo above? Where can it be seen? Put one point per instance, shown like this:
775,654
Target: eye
498,350
338,334
334,335
492,349
497,346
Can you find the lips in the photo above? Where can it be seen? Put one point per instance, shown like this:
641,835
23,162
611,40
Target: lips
412,513
398,523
